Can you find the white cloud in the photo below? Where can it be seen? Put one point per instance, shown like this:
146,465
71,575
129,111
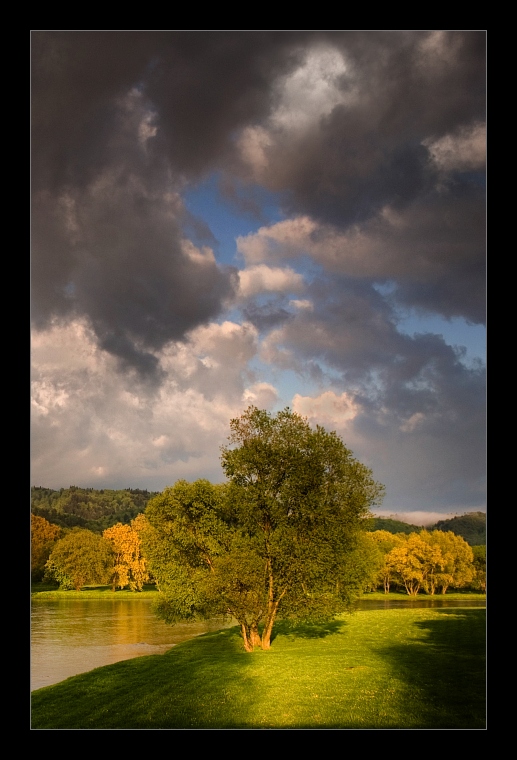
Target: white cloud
290,237
261,395
311,91
99,428
303,304
328,409
203,255
464,150
264,279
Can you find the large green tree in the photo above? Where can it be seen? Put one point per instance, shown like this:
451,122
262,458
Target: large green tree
80,558
283,537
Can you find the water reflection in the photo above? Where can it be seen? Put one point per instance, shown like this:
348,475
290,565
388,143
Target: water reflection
72,636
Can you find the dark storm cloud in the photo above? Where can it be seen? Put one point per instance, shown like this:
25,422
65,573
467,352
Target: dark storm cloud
368,151
106,229
204,86
400,92
120,121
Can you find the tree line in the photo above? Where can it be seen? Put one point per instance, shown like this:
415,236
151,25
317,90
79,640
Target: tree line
286,536
95,509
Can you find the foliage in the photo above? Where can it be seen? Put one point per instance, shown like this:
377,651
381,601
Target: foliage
479,580
390,525
129,568
414,561
281,538
429,561
80,558
471,527
455,565
43,537
88,508
385,542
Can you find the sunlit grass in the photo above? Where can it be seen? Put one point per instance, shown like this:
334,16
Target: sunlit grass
404,668
44,591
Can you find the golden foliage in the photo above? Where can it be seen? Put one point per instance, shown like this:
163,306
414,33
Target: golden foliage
129,567
43,537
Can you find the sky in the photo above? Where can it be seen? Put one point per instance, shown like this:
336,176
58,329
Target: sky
273,218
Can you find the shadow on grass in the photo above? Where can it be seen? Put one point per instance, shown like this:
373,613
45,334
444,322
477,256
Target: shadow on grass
307,630
209,682
446,669
198,684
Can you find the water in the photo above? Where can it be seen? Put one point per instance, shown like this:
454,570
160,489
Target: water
72,636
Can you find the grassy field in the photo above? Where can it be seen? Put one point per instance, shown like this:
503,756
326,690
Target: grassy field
387,669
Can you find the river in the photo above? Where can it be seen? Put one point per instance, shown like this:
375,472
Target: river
72,636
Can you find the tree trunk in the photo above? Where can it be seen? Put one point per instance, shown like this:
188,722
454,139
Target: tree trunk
268,630
255,636
246,635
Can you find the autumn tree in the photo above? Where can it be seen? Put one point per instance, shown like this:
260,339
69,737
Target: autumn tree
43,537
385,542
283,537
414,561
455,565
80,558
479,580
129,568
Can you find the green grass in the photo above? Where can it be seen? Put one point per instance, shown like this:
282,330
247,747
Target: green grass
406,668
43,591
453,596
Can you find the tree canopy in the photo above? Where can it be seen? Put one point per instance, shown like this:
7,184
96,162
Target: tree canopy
80,558
129,566
283,537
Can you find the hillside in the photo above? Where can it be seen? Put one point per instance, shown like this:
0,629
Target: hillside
88,507
471,527
394,526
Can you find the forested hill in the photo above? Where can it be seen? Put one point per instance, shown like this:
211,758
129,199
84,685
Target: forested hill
471,527
394,526
100,509
88,507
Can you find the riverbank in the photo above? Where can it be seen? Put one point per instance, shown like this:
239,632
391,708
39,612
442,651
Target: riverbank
373,669
41,591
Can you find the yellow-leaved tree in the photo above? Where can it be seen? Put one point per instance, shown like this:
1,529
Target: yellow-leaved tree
456,565
414,561
129,566
43,538
385,542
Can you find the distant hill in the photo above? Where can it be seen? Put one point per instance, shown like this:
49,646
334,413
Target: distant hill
95,509
471,527
393,526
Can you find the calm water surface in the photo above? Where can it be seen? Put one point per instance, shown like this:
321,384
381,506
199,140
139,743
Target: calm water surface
72,636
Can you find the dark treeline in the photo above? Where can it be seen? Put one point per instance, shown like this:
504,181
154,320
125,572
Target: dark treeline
98,509
471,527
94,509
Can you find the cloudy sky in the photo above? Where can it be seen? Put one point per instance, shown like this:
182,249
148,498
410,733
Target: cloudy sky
272,218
